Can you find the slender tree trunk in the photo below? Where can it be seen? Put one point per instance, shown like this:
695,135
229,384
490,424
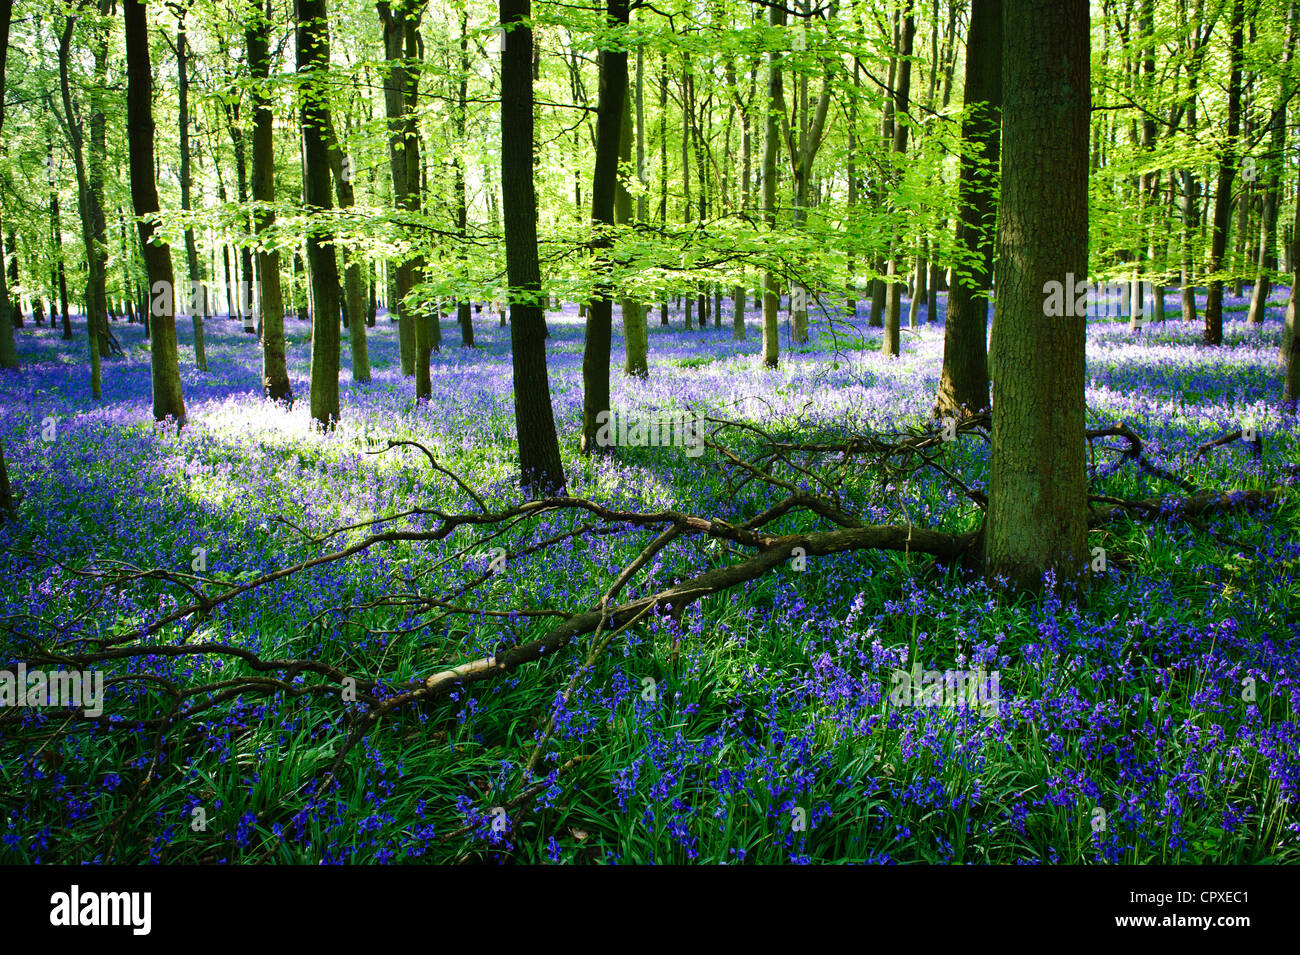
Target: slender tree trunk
609,131
354,304
663,166
771,293
198,298
88,166
1037,511
686,179
394,18
57,226
463,316
275,374
541,470
428,327
746,162
850,285
157,254
894,288
8,348
1266,258
8,352
635,333
1291,340
314,119
1213,334
964,379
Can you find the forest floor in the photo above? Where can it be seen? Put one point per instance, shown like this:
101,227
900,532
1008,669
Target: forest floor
1157,719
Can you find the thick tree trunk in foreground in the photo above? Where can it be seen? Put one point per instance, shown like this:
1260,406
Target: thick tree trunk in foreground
1037,510
313,61
157,254
539,449
275,373
964,381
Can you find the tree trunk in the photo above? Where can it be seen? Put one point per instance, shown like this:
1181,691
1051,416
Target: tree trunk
663,166
157,254
354,303
635,333
463,316
964,380
314,120
541,471
198,298
275,374
1266,258
8,348
894,288
394,18
90,179
771,299
609,132
1290,339
57,226
1037,510
850,283
1213,334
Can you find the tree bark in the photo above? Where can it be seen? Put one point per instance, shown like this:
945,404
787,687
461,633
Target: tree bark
1213,334
463,315
314,119
354,303
8,351
275,373
964,379
635,333
894,288
1290,339
541,471
609,133
1266,259
771,299
1037,512
394,18
168,400
198,298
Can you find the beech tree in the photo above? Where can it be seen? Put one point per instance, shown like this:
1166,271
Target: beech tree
541,471
270,300
1037,510
313,64
609,135
164,360
964,378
